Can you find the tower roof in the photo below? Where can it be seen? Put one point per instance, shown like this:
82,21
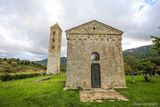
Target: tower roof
56,26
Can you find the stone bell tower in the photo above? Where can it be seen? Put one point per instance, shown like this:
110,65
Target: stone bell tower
54,50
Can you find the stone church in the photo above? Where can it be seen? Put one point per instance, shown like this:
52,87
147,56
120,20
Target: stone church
94,57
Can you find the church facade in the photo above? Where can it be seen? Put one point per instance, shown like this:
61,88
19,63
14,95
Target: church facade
94,57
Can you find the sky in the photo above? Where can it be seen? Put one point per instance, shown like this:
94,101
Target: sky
25,24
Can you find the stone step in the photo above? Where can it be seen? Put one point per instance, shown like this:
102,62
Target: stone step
100,94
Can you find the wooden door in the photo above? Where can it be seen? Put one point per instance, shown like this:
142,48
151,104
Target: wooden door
95,75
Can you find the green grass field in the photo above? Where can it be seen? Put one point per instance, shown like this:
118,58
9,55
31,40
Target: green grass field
49,93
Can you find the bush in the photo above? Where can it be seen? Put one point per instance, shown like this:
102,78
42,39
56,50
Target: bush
7,77
14,64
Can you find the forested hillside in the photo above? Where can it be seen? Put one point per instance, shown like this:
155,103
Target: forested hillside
13,65
141,59
141,52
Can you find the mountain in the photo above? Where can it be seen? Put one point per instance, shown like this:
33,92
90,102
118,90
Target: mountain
42,62
141,52
62,64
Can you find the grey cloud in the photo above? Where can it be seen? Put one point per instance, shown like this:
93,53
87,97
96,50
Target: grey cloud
25,20
25,23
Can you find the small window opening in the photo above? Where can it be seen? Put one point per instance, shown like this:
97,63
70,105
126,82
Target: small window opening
53,40
95,56
53,47
54,33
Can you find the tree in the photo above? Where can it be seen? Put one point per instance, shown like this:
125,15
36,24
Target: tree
148,68
128,69
157,70
156,44
132,62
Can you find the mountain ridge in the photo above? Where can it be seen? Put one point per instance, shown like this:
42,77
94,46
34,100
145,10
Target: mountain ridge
62,63
141,52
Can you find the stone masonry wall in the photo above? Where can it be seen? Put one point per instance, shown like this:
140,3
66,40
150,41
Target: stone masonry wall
54,50
80,47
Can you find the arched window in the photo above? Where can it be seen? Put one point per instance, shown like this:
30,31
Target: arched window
95,56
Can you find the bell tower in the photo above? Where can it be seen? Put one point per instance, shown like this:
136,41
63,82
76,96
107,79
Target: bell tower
54,50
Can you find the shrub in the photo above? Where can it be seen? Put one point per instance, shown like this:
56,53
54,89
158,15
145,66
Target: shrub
7,77
14,64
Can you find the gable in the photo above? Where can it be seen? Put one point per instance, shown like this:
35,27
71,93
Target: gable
93,27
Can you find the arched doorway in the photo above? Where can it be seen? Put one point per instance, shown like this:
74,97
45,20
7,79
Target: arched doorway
95,75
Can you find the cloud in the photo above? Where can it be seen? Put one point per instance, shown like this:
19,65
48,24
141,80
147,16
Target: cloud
24,28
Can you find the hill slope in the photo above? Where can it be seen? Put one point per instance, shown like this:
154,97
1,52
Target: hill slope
141,52
13,65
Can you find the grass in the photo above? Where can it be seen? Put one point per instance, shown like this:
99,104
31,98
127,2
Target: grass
32,92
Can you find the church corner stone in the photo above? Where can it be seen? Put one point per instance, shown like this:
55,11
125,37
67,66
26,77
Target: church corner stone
54,50
102,43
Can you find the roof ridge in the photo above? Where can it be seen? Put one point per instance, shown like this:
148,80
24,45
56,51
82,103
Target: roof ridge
81,25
